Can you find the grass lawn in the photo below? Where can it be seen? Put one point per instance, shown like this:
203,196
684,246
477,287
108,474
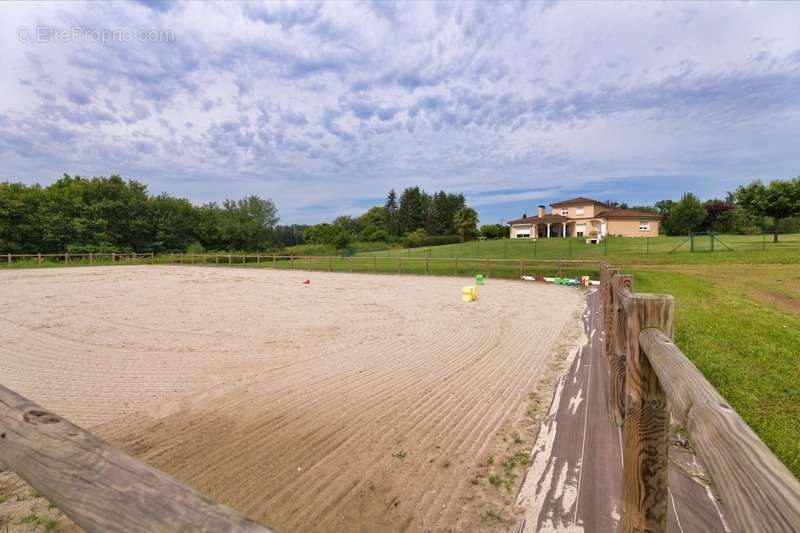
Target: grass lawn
743,249
744,338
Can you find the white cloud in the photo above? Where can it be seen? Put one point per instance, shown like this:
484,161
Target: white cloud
332,104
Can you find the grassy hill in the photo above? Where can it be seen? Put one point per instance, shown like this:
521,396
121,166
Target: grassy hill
667,250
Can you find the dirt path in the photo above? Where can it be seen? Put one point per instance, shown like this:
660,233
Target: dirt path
574,483
355,403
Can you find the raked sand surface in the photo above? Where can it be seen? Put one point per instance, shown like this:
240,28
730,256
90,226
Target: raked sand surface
355,403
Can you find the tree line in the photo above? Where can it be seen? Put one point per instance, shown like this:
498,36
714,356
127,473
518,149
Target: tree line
750,209
415,218
100,214
79,215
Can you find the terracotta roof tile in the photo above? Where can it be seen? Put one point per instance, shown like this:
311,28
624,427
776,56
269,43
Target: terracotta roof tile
626,213
579,200
546,218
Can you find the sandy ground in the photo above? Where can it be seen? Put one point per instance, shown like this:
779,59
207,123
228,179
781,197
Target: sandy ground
355,403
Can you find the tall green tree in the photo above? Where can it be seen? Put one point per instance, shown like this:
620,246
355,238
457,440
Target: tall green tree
248,224
445,206
21,228
390,207
411,212
778,200
465,221
686,215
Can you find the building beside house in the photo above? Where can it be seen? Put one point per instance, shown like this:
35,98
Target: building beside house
584,217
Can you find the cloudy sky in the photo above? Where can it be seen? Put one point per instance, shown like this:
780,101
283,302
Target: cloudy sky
324,107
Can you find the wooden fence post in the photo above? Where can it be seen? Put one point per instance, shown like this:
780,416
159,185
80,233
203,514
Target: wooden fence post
9,259
39,258
91,258
608,311
216,259
66,257
619,347
291,262
99,487
113,256
646,433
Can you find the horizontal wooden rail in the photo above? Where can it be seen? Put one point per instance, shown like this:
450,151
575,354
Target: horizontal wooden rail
760,492
652,379
99,487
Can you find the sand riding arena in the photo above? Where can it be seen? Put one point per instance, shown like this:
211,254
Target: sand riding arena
356,402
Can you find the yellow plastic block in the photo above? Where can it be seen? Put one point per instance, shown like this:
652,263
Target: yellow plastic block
469,293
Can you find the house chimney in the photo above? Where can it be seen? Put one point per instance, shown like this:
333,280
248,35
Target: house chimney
541,210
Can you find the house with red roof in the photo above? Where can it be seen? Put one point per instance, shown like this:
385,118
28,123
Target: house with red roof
584,217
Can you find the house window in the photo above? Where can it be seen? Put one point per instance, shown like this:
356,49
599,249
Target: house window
523,233
565,212
580,230
578,211
644,225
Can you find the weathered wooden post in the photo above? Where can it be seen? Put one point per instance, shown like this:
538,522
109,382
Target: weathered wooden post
113,256
91,258
39,258
66,257
608,311
9,259
620,285
216,258
646,432
97,486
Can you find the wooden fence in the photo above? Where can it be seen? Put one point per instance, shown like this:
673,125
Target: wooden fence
91,258
97,486
372,263
651,380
